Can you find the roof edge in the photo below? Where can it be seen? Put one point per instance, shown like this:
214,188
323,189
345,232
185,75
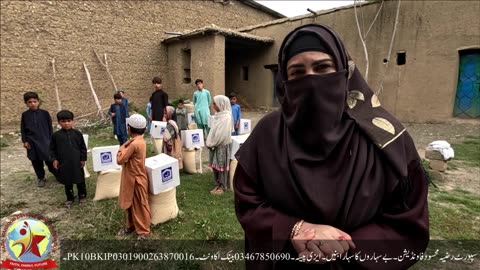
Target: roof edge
263,8
301,17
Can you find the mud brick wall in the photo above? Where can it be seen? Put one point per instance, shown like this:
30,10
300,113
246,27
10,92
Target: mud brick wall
129,32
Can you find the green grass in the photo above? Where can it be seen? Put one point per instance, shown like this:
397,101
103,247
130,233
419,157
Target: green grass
468,151
454,215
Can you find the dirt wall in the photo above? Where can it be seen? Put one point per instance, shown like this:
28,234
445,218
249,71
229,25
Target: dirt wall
129,32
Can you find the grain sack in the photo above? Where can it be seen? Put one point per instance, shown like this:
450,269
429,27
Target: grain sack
163,206
108,184
233,166
157,145
192,126
189,107
192,160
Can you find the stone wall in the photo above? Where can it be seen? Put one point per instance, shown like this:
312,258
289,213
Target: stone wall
430,32
129,32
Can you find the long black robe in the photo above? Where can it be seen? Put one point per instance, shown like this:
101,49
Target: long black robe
159,101
68,147
36,129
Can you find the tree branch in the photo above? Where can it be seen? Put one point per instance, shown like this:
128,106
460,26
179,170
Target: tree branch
99,111
59,104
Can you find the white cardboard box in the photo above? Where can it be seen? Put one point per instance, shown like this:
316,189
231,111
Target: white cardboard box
162,172
245,126
191,118
237,141
192,138
211,119
157,128
105,158
85,139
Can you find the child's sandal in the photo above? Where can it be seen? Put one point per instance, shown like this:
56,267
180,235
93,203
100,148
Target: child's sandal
142,237
124,232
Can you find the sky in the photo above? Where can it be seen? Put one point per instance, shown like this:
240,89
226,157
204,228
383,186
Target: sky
295,8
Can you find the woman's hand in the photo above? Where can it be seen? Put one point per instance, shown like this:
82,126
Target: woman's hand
327,243
300,241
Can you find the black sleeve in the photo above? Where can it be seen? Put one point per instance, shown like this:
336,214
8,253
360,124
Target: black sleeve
49,121
53,147
22,128
82,146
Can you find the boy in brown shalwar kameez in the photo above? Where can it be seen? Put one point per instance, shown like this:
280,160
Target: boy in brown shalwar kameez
134,183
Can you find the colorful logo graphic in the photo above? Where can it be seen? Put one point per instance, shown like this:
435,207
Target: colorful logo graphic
167,174
28,240
162,130
195,138
106,157
245,125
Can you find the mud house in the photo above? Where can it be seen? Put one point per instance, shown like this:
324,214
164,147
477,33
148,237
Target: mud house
430,71
423,56
33,33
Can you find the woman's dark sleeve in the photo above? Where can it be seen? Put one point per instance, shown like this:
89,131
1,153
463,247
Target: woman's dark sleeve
266,228
396,231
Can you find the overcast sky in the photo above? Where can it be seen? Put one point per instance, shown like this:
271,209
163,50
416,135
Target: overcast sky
295,8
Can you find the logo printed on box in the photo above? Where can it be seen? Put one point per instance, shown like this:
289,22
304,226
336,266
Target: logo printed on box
106,157
245,125
195,138
167,174
162,130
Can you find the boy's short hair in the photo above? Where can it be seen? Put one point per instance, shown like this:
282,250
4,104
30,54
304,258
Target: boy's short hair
138,131
30,95
232,95
180,101
198,81
157,80
117,96
64,115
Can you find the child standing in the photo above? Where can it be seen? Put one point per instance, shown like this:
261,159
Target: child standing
119,115
36,129
218,141
148,112
69,153
236,112
133,195
181,113
171,138
121,91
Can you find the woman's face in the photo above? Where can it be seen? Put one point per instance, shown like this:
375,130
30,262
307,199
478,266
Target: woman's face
308,63
215,107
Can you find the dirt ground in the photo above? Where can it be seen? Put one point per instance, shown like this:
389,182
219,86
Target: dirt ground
15,167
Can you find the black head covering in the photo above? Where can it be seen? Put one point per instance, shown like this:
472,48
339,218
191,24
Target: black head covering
331,153
305,43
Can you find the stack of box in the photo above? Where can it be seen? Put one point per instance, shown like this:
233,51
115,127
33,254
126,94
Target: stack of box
245,126
237,141
192,138
163,173
105,158
157,128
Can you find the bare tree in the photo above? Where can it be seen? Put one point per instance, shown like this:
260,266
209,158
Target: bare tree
107,67
59,104
99,111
